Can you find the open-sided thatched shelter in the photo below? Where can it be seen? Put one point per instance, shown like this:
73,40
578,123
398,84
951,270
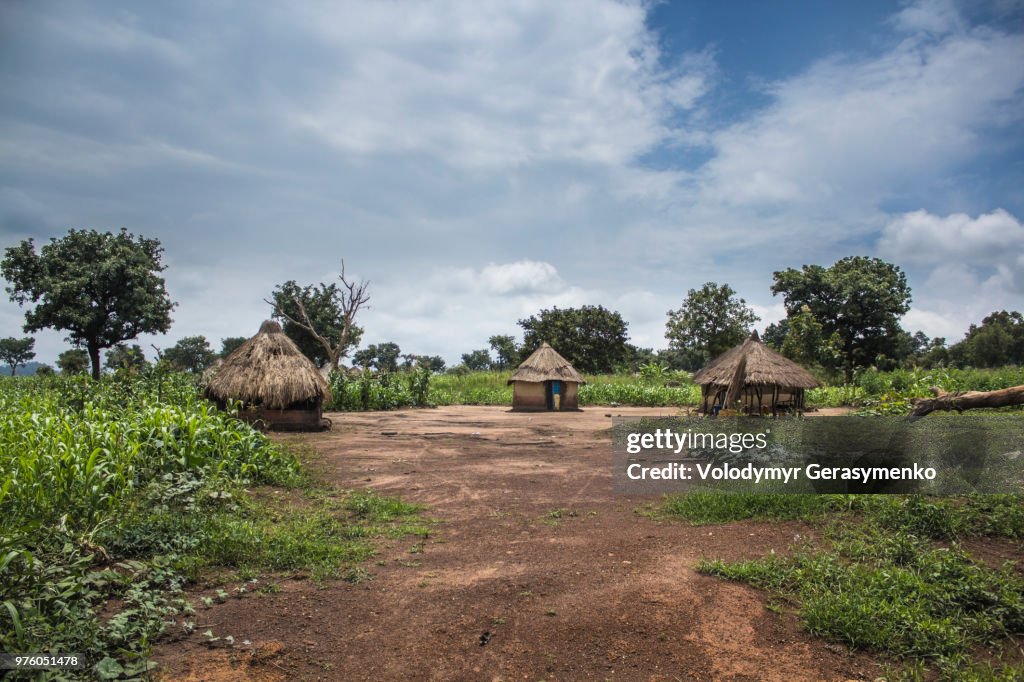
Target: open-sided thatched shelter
279,387
755,376
545,381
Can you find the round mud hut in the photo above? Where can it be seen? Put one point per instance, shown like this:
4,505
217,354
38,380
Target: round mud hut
756,378
545,381
278,387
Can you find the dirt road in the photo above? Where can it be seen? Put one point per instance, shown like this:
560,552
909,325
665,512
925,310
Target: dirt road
535,571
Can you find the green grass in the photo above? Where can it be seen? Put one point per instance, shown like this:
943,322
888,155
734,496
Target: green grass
889,574
127,489
701,508
934,518
906,599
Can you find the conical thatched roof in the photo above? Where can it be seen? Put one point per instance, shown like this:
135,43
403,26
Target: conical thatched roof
212,370
753,363
268,370
545,364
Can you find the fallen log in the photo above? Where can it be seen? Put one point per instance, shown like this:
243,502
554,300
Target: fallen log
966,400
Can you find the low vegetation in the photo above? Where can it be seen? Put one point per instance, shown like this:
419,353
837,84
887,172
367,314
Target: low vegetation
873,392
891,574
420,388
892,392
115,494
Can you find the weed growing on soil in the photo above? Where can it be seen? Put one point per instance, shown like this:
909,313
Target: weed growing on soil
879,580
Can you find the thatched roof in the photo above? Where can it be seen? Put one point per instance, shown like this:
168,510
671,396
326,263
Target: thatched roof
753,363
212,370
268,370
545,364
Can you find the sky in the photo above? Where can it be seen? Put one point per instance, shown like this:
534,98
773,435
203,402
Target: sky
478,161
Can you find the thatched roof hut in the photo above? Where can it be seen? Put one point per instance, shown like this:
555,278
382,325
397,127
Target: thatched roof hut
545,381
274,381
212,370
753,373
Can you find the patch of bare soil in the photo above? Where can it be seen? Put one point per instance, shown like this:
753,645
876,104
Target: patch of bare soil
535,571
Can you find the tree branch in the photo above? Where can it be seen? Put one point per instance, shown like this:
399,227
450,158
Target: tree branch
960,401
349,300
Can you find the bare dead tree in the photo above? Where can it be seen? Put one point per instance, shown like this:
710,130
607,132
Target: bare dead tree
350,297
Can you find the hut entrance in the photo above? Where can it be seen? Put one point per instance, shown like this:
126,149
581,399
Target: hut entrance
553,392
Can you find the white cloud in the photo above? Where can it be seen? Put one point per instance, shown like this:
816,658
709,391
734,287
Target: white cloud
922,238
853,132
520,276
934,324
496,84
929,16
769,313
458,309
962,268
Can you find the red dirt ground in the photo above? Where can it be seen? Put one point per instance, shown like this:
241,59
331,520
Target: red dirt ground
594,592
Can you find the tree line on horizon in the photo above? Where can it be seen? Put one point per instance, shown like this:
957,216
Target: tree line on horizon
105,289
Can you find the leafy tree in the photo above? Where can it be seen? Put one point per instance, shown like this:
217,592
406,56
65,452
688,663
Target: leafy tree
101,288
74,361
477,360
775,334
230,345
122,356
921,343
17,352
505,349
592,338
997,341
44,370
805,341
382,357
435,363
191,354
320,318
936,355
711,321
901,354
387,356
860,299
641,357
365,357
674,359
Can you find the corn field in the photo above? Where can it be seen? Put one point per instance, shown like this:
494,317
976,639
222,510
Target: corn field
78,460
